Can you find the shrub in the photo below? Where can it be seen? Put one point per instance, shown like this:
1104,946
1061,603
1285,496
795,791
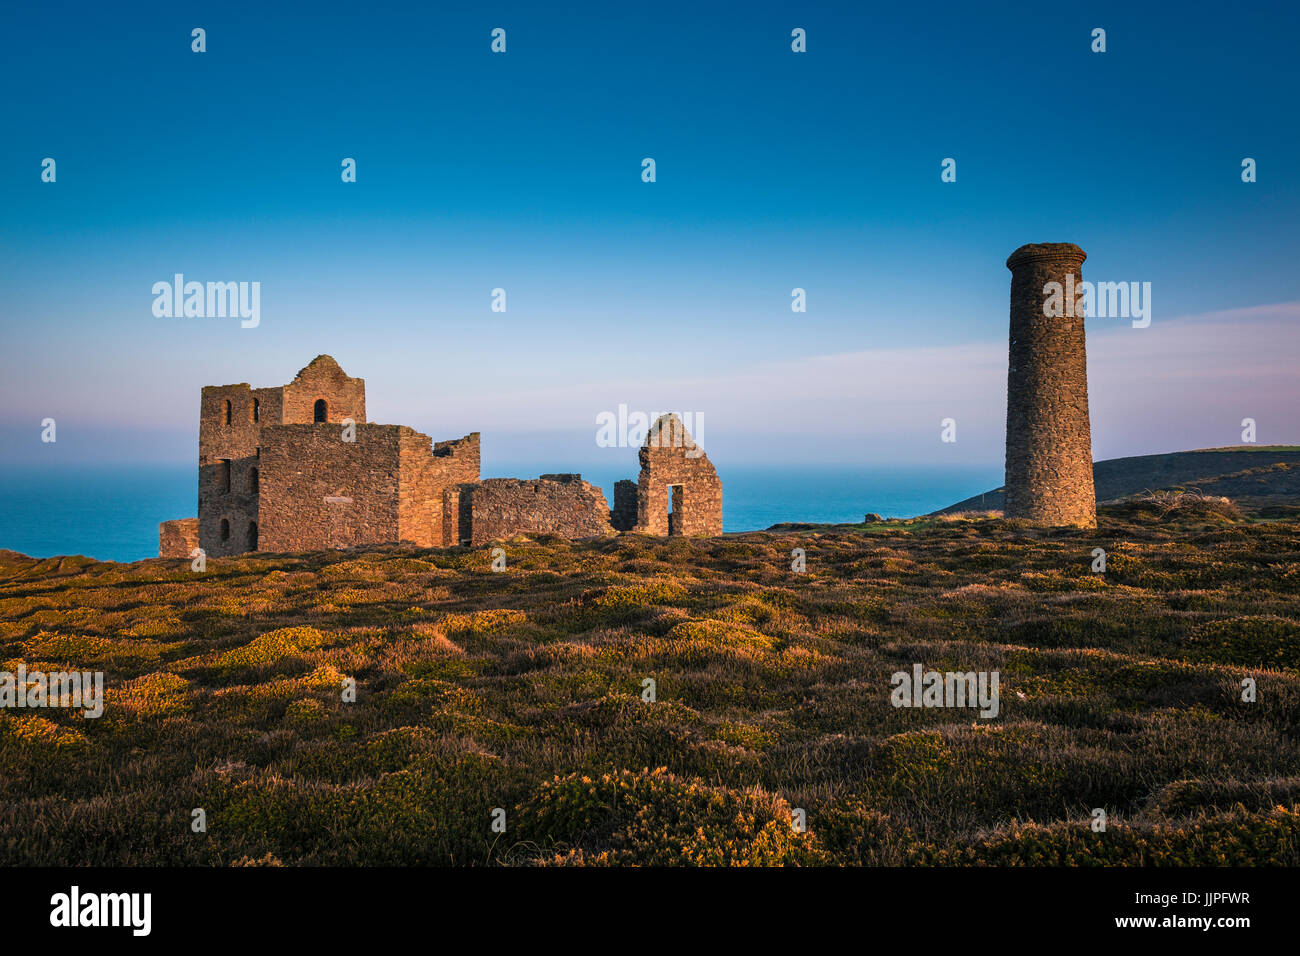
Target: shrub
655,818
272,647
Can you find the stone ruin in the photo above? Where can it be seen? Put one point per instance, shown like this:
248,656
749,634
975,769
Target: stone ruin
275,473
673,467
298,468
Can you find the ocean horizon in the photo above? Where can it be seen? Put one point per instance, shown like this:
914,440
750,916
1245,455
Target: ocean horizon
111,511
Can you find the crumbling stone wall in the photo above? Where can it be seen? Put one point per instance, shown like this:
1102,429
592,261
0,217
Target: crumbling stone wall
672,464
178,539
1049,477
500,508
419,504
427,471
456,461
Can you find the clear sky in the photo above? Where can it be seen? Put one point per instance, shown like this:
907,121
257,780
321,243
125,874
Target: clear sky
522,171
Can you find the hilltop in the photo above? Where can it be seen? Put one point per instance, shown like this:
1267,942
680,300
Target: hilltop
522,691
1252,477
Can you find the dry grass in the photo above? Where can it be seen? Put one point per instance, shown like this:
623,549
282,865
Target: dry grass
522,690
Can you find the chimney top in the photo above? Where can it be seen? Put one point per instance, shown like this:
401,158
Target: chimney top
1061,251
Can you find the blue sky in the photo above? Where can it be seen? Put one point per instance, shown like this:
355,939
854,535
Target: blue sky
775,170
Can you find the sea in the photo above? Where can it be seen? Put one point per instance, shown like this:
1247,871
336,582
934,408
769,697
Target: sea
111,511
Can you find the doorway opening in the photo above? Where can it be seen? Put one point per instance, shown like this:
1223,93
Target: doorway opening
675,501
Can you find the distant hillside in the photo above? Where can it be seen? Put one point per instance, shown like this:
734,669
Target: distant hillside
1239,473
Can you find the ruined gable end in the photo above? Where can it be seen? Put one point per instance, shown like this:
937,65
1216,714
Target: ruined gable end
678,491
322,392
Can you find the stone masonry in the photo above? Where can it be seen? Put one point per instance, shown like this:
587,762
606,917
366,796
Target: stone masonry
178,539
1049,447
678,491
623,517
499,508
298,468
320,491
232,419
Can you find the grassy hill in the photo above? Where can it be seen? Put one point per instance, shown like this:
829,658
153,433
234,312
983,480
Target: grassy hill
1251,476
522,691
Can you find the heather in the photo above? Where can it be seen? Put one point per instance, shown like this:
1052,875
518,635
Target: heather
522,691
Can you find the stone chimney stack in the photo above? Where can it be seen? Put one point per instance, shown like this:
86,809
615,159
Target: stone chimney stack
1049,443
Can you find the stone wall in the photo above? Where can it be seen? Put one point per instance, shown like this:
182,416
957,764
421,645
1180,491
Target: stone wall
319,491
178,539
1049,478
230,427
419,498
623,517
427,470
500,508
386,485
670,459
456,461
451,517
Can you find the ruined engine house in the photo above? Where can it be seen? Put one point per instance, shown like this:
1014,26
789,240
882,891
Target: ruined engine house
298,468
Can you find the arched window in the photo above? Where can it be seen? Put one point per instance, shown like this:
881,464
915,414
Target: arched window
225,530
322,411
229,409
252,481
257,410
252,536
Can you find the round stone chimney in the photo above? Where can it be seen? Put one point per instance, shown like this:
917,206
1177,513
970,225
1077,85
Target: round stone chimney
1049,443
